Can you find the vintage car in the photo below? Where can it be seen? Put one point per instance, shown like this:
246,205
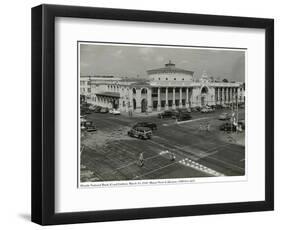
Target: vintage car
168,114
183,116
224,116
150,125
104,110
114,111
227,127
140,132
88,126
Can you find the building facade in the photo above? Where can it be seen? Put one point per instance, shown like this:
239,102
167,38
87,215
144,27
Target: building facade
165,88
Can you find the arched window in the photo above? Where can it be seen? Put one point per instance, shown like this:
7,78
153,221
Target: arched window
204,90
144,91
134,91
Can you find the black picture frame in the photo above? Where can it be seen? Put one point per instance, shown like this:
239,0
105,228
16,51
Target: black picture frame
43,113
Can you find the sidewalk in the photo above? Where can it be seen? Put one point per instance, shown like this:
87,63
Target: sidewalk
148,114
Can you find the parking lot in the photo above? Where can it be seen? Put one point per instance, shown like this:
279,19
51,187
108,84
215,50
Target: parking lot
109,154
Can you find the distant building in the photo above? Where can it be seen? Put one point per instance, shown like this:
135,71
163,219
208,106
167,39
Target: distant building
166,88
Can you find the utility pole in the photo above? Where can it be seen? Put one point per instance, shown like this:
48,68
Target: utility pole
232,117
237,108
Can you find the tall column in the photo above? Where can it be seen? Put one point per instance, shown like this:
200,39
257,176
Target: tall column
227,95
174,98
231,95
166,103
193,97
213,97
187,98
235,95
218,95
138,101
238,94
222,95
180,104
149,100
158,100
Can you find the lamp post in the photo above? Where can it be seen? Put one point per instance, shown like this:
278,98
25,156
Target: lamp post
236,96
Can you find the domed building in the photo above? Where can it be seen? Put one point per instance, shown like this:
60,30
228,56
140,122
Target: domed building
164,88
170,73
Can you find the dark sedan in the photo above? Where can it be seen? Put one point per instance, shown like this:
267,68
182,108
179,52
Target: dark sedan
228,127
183,116
168,114
150,125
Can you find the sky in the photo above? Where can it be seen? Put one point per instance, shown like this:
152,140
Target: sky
134,61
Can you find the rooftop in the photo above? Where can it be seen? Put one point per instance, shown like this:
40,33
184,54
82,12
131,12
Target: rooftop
169,68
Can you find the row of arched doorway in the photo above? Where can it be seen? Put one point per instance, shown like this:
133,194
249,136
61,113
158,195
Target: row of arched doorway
143,105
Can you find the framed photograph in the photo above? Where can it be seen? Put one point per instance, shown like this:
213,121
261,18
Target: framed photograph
142,114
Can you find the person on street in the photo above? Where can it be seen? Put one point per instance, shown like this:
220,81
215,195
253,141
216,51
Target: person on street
141,160
208,127
172,156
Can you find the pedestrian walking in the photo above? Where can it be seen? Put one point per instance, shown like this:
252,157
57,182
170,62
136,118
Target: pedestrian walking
172,156
208,127
141,160
200,127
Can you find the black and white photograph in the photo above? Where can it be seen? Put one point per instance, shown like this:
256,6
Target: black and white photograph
159,112
140,114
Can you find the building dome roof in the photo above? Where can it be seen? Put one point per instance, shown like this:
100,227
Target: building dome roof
169,68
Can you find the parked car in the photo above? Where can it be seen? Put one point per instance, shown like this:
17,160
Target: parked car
88,126
228,127
205,110
242,124
193,109
84,111
116,112
92,107
198,108
166,114
82,118
184,110
242,106
97,109
188,110
140,132
184,116
85,105
224,116
150,125
104,110
218,106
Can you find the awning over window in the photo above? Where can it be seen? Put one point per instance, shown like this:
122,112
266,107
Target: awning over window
109,94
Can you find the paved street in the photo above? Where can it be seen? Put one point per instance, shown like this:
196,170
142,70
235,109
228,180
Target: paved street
110,154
